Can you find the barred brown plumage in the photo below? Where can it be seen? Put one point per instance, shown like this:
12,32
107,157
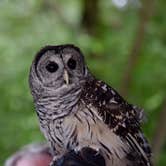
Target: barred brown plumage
76,110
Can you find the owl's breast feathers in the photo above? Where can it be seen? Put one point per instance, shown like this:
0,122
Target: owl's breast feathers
121,117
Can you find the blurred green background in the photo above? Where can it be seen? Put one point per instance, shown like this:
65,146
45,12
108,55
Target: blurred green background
124,42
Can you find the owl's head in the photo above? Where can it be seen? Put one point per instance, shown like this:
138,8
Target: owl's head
57,66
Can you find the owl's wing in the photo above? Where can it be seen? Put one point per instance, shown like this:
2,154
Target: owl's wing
121,117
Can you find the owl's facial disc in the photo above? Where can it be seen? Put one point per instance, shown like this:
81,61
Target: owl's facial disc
58,67
49,69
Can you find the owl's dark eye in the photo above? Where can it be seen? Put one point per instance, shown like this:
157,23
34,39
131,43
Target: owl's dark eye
52,67
71,63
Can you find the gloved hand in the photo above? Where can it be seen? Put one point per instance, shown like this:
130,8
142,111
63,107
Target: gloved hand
85,157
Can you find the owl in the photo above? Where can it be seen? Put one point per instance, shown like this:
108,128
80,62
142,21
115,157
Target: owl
76,110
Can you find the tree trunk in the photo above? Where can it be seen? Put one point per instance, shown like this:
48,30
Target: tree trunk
90,18
160,134
144,17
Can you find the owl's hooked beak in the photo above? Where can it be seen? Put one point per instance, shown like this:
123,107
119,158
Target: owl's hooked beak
66,77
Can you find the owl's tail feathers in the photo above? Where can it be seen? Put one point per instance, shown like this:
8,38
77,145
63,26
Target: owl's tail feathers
142,150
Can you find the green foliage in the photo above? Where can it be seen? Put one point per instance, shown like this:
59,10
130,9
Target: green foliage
26,26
